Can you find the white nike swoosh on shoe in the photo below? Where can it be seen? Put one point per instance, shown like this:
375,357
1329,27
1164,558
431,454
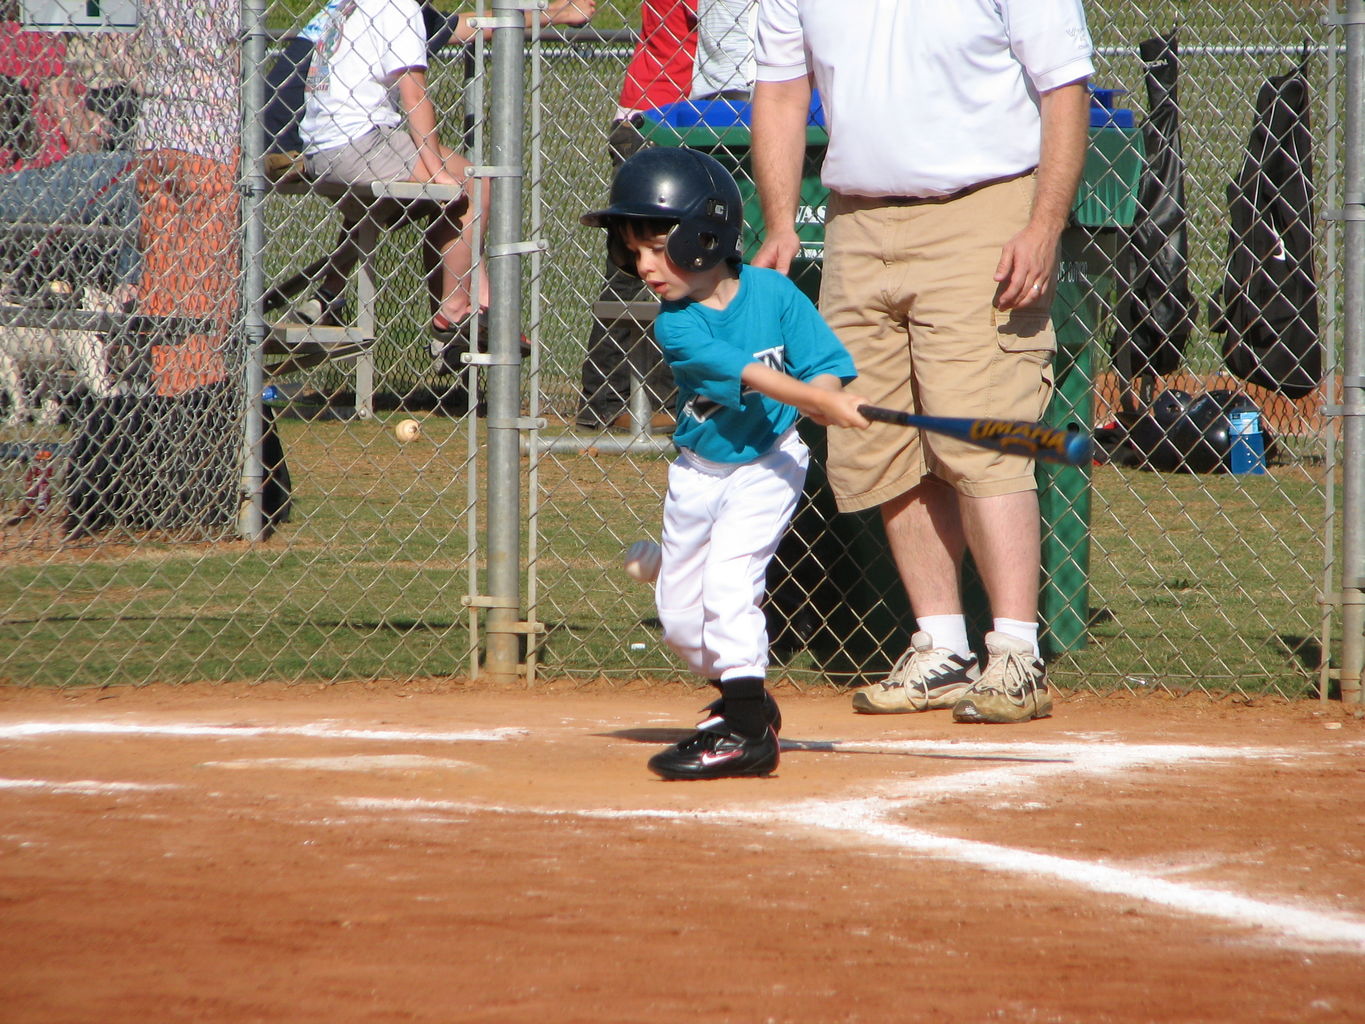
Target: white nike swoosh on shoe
709,759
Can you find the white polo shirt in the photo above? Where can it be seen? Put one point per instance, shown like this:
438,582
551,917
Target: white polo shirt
361,49
926,97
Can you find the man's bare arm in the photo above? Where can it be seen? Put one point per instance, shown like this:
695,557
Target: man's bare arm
778,146
558,12
1030,258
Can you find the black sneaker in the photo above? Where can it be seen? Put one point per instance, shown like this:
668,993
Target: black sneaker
717,753
771,713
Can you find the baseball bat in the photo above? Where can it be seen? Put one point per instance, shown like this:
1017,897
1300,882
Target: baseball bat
1014,437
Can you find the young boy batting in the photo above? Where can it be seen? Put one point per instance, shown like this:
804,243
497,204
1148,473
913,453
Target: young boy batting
749,354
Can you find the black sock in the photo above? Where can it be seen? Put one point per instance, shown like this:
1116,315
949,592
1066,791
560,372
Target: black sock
743,707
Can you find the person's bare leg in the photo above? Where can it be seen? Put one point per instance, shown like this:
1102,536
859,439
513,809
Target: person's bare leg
924,532
1004,534
451,234
453,237
928,529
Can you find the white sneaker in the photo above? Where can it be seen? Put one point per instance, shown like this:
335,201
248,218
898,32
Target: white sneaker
926,677
1012,689
316,310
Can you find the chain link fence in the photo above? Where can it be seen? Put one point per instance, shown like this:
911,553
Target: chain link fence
201,476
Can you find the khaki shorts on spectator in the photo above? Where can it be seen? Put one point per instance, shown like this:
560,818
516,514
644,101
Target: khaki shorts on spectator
385,154
908,285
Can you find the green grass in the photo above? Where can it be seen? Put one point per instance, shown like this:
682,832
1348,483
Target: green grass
1195,582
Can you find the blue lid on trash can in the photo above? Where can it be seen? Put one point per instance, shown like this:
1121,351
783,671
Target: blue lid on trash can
721,113
1103,113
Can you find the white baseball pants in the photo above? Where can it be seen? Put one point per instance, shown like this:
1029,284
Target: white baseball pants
722,524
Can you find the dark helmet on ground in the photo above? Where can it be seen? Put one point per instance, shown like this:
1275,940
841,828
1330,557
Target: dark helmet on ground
681,185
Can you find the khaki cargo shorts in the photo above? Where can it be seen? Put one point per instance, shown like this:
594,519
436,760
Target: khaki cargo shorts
908,286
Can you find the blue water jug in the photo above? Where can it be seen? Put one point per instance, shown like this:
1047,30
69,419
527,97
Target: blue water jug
1246,450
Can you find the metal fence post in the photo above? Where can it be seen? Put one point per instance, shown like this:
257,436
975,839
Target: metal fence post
251,519
1353,363
504,333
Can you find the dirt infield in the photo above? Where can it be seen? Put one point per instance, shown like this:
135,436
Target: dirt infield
353,853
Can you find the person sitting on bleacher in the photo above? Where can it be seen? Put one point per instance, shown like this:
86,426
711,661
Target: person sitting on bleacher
368,117
55,169
286,99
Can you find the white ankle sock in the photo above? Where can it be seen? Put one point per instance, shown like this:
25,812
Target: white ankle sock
948,631
1025,631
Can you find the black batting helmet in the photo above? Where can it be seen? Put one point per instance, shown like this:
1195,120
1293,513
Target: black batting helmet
683,186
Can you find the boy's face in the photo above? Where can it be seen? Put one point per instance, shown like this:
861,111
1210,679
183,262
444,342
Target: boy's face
664,277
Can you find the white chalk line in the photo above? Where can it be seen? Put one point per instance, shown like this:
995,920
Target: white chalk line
1344,933
865,819
321,730
1027,764
353,763
82,786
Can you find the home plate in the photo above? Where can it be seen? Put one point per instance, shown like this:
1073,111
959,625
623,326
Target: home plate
357,763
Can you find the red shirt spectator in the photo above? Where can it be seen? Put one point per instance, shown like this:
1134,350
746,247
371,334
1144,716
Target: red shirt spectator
660,71
35,61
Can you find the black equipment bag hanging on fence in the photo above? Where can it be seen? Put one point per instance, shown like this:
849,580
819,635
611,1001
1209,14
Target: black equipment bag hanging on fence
1268,305
1155,309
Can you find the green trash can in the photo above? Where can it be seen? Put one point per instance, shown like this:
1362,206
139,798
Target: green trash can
720,128
1105,203
1064,492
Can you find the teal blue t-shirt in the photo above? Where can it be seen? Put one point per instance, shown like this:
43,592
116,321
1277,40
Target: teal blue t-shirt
769,321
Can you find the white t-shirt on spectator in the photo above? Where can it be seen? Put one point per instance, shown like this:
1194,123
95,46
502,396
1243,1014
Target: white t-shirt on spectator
926,97
725,47
351,88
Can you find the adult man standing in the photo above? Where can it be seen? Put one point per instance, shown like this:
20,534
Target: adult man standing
957,138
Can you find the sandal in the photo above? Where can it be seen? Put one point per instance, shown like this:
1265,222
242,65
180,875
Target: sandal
448,334
448,342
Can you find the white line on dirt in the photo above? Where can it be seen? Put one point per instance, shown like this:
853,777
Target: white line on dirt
1343,933
865,820
30,730
1023,764
352,763
81,786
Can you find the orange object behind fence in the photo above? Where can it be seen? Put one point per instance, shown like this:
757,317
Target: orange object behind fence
189,244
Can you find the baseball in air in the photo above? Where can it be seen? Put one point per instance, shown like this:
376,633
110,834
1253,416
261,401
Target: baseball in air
642,561
407,430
